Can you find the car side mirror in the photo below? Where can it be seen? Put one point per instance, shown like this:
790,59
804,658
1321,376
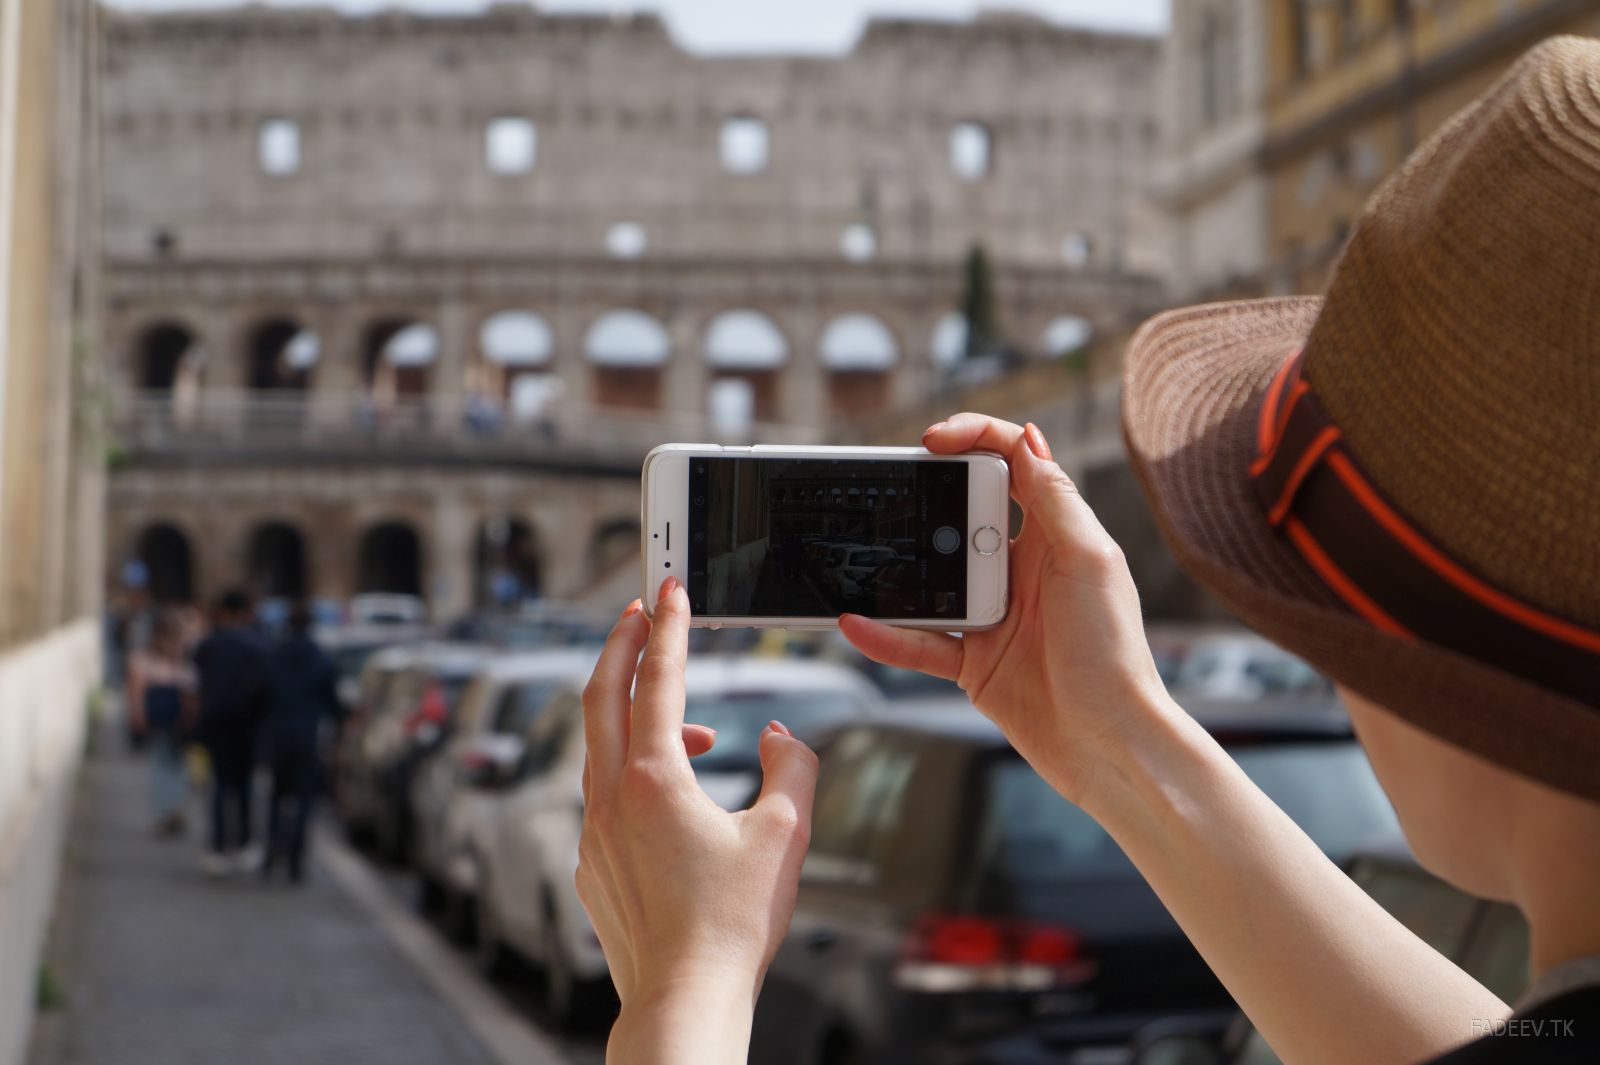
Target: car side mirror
1178,1049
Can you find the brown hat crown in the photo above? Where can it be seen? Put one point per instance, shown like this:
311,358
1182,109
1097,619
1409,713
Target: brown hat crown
1459,346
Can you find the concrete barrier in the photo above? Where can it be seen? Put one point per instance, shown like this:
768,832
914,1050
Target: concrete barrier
44,688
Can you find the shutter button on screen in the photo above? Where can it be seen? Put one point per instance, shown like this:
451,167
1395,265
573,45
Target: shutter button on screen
946,540
986,540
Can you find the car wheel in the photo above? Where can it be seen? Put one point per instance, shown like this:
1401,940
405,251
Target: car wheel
839,1049
431,895
569,1001
489,946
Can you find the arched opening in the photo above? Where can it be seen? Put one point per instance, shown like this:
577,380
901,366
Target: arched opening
390,559
628,349
746,346
281,355
277,561
168,564
949,341
858,351
396,356
508,569
615,542
512,374
164,350
1066,336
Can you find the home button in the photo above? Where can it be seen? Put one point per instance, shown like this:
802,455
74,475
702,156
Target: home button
987,540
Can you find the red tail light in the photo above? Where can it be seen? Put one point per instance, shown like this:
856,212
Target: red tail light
949,952
432,710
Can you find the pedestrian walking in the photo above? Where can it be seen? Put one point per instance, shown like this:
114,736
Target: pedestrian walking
231,663
303,693
1399,483
162,706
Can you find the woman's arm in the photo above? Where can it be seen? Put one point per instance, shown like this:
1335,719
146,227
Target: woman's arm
1326,975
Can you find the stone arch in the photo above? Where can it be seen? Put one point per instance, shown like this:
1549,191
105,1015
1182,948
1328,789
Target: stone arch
508,564
615,541
168,560
398,352
627,349
280,354
276,561
859,353
389,558
166,360
746,348
1065,335
513,370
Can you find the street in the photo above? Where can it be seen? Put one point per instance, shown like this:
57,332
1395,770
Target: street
154,963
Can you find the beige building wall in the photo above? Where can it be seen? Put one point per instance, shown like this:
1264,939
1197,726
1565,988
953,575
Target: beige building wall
1213,121
50,460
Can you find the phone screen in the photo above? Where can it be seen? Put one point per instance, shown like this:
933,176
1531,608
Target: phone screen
805,537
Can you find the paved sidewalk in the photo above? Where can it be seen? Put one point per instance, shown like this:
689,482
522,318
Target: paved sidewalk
160,965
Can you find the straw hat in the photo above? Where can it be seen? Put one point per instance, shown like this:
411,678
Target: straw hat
1401,481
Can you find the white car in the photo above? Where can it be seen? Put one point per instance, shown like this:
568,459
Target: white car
453,797
1243,667
387,608
528,901
851,566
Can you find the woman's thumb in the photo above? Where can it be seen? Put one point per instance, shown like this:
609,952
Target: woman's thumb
788,778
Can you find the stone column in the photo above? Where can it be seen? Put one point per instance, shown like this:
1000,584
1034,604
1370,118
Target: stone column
563,521
336,378
802,390
685,375
447,567
568,323
448,379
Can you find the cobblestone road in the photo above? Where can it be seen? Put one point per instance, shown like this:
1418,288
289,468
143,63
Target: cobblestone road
161,966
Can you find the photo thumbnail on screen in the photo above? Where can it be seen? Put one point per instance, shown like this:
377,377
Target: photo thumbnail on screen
803,537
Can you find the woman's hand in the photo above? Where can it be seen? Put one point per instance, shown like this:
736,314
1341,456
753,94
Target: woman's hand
690,901
1069,668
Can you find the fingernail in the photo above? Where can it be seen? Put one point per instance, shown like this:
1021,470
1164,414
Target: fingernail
779,728
632,608
1036,441
934,428
668,586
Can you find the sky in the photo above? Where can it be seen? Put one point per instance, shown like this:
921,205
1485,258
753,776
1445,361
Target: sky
770,25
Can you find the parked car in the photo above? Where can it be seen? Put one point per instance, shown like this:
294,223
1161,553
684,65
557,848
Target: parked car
351,645
387,608
954,908
1487,939
533,626
381,752
527,901
852,566
453,813
1243,667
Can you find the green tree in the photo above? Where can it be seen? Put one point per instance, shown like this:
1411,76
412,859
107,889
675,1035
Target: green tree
978,305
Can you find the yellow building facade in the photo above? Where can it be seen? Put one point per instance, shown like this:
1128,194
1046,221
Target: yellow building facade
1354,85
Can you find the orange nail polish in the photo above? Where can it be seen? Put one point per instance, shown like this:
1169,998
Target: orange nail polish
779,728
668,586
1036,441
934,428
632,609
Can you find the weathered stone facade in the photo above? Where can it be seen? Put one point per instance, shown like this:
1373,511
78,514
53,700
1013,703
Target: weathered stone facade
274,174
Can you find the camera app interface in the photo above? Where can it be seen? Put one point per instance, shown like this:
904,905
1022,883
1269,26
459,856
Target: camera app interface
820,537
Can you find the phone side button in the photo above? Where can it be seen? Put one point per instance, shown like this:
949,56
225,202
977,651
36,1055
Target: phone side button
987,540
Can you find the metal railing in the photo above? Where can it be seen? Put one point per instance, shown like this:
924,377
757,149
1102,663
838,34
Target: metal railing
245,420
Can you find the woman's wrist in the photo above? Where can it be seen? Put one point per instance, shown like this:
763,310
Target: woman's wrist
1133,770
688,1019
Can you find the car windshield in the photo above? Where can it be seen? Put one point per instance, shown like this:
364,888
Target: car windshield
740,716
1032,835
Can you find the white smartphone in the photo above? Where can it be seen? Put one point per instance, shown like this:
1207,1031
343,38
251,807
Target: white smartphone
792,537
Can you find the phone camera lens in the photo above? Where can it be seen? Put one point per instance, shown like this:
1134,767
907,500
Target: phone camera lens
699,501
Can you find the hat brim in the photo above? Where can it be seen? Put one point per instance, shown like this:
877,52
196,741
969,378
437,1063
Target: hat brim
1194,380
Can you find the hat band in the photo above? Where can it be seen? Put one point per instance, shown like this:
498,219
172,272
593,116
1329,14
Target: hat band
1384,568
